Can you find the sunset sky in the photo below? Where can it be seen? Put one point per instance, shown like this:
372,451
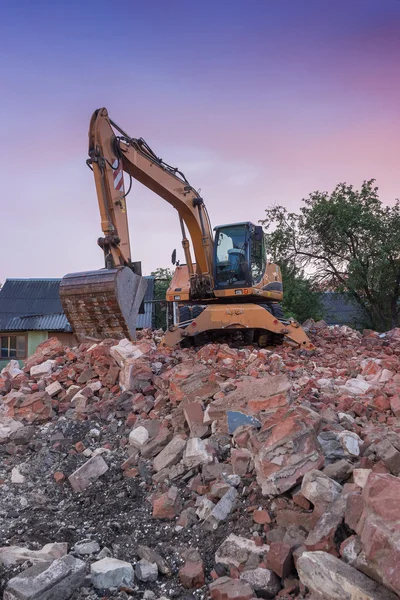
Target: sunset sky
258,102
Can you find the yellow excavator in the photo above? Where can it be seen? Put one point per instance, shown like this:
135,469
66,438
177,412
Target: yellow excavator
228,286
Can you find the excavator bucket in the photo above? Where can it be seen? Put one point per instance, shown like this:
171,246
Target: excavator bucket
103,304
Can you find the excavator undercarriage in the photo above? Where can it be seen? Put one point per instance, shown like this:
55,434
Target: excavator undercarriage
256,321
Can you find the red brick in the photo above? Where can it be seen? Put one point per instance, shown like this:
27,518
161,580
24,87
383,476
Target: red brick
191,575
261,517
167,506
301,501
279,558
59,476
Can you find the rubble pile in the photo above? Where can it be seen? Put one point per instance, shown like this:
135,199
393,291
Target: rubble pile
221,472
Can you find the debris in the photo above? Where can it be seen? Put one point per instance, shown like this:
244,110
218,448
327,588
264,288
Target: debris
263,581
213,430
278,467
196,453
167,506
47,581
86,547
89,472
321,571
146,571
191,575
170,455
226,588
138,437
221,510
111,573
320,489
236,550
15,555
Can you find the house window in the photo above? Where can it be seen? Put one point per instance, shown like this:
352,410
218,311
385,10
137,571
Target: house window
13,346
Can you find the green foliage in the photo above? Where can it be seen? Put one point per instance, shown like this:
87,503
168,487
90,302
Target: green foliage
300,300
348,241
162,279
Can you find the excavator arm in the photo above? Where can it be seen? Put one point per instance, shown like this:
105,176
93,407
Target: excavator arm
110,156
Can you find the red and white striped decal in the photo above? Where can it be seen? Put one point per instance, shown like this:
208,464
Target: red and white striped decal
118,176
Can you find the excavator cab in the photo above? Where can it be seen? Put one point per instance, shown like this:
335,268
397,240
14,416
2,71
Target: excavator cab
239,256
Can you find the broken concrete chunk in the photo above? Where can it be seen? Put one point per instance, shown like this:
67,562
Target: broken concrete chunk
289,449
170,455
43,370
319,489
339,470
263,581
236,550
378,528
16,476
322,537
196,453
89,472
111,573
138,437
331,445
226,588
356,387
221,510
86,547
350,442
360,476
47,581
16,555
325,574
53,389
124,350
204,508
146,571
154,557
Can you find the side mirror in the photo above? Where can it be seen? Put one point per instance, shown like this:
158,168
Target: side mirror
173,257
258,233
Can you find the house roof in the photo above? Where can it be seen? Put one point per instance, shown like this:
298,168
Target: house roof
35,305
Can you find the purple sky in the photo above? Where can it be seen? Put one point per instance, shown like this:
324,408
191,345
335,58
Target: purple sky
257,101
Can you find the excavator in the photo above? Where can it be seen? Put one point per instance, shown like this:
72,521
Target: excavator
227,286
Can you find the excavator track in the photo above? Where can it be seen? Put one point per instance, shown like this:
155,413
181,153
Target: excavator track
104,303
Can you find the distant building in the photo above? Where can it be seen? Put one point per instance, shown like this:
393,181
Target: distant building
340,309
31,312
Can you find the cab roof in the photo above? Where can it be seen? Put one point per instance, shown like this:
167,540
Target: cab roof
248,223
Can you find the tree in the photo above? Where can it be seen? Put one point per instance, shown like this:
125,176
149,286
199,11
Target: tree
300,300
348,241
162,279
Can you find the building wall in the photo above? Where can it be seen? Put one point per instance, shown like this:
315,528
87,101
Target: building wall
37,337
34,339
